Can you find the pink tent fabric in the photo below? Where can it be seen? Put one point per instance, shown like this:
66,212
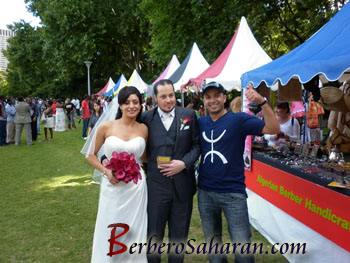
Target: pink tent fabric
109,85
242,54
215,68
169,70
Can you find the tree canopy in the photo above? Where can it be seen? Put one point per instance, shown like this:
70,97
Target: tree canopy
119,36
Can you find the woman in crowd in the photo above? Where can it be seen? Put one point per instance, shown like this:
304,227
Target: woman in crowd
290,128
95,115
50,122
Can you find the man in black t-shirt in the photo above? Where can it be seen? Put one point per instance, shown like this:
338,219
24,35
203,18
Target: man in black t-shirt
69,109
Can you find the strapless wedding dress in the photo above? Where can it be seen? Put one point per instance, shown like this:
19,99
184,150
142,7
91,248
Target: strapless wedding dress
121,203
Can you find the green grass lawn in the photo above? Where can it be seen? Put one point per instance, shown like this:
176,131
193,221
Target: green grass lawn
48,205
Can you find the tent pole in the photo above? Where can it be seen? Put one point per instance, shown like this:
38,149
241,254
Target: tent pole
182,99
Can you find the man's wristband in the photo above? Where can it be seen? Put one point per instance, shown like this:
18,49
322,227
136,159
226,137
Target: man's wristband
263,103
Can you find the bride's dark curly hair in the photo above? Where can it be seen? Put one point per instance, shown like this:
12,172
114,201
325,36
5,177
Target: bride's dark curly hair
123,95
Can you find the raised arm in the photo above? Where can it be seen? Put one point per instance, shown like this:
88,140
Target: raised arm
271,123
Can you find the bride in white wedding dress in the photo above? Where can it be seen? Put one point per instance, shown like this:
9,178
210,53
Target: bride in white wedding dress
120,202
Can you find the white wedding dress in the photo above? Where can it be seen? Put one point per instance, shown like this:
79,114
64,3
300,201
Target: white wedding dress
121,203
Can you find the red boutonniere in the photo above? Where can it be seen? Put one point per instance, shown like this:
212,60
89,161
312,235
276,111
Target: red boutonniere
124,167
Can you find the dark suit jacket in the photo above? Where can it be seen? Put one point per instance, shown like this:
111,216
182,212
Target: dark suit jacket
186,149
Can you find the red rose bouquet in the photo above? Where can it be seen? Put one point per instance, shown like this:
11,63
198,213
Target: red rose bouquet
124,167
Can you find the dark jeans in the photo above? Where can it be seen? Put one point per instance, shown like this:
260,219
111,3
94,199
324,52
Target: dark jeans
3,132
34,127
70,117
234,206
85,126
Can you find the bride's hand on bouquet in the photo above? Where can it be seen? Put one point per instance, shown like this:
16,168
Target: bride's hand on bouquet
110,177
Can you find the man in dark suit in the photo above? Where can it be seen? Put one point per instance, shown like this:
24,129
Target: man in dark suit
173,135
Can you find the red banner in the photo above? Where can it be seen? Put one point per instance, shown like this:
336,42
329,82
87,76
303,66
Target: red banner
323,210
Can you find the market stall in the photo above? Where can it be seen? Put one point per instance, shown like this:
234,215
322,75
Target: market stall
120,84
294,204
108,87
169,70
194,64
136,81
297,191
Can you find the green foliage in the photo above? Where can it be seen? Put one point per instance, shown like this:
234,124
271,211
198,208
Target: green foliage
27,71
175,25
286,24
3,83
279,26
119,36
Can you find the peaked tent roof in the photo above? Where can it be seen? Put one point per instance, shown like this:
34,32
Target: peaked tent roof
242,54
169,70
120,83
327,53
136,81
193,65
109,85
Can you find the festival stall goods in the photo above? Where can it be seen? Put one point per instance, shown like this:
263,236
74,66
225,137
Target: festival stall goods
109,86
242,54
297,192
290,202
194,64
120,83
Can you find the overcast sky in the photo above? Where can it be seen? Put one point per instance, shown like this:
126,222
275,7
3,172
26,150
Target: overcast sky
13,11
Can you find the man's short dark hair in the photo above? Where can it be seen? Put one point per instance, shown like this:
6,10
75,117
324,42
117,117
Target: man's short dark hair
161,83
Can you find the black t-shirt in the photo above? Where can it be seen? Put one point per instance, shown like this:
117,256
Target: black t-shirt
69,107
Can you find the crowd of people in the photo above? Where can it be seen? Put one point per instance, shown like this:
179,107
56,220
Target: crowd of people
32,114
53,115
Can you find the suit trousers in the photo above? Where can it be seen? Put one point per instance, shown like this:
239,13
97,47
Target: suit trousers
164,206
28,129
11,129
2,132
34,130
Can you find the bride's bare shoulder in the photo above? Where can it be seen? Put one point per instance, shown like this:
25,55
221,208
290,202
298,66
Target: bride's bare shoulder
105,126
144,129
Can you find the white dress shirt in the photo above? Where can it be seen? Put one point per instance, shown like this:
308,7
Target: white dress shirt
167,118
